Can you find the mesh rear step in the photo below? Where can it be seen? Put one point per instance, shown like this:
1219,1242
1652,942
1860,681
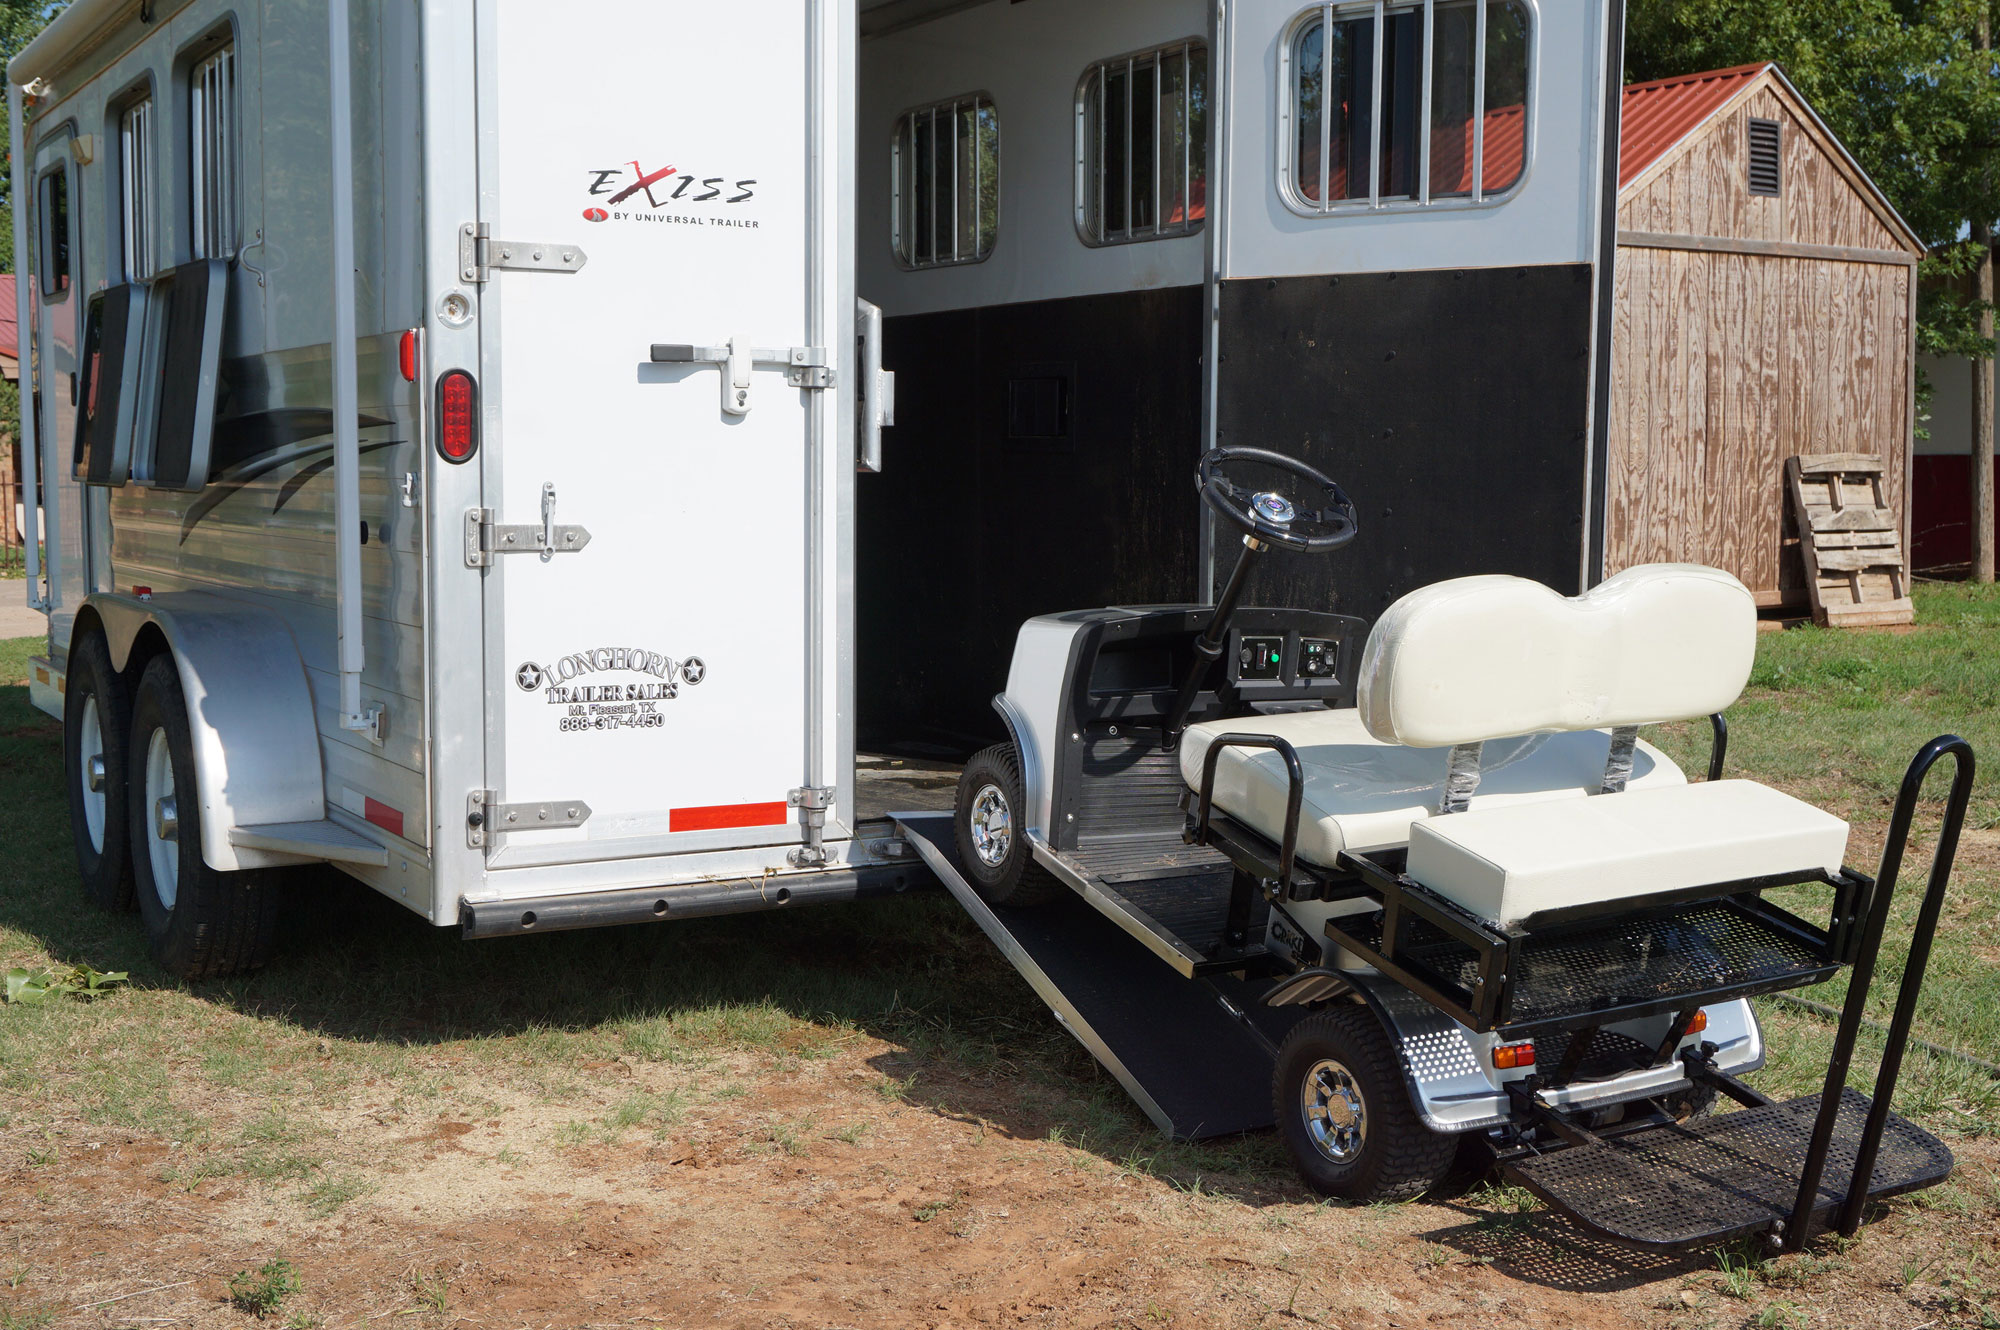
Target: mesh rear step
1693,1184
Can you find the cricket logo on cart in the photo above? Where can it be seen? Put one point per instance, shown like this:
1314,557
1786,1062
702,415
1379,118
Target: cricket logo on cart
577,684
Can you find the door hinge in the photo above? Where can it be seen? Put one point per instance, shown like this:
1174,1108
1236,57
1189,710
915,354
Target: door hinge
813,803
485,816
485,538
480,255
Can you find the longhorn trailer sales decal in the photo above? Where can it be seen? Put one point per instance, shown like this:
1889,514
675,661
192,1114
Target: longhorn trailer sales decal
589,702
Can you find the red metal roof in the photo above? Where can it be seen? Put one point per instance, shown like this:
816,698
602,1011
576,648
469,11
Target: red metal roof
1659,114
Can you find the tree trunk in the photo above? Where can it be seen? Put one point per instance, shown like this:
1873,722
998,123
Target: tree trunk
1982,378
1982,420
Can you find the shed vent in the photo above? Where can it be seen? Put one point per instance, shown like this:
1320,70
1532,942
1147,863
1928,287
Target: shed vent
1764,157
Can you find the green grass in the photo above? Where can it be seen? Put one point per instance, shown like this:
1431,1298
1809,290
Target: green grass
364,992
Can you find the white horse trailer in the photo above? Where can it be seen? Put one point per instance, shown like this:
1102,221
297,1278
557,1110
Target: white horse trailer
447,417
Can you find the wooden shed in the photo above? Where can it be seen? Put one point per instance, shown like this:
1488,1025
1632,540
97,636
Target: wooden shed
1765,307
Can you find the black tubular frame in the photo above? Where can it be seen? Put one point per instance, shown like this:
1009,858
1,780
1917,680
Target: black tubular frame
1295,790
1848,1217
1719,745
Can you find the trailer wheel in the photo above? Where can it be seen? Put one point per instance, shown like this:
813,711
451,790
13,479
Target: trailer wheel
97,722
201,923
991,831
1345,1112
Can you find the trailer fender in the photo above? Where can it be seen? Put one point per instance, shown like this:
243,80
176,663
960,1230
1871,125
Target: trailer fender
250,712
1447,1084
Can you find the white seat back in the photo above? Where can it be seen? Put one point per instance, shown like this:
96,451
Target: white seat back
1480,658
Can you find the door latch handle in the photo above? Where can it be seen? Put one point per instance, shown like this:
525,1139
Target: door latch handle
548,521
804,366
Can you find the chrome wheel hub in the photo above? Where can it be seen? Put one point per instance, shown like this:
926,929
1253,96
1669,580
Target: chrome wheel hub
991,823
163,824
90,758
1336,1117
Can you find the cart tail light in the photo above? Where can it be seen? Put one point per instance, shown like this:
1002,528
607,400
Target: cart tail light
457,416
1699,1023
1507,1056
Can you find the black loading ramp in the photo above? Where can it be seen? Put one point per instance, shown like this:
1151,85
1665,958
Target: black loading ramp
1196,1069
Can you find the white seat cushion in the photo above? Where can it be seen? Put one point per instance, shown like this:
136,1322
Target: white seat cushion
1363,794
1509,863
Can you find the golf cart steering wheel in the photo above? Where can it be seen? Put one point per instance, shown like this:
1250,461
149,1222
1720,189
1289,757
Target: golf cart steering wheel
1270,517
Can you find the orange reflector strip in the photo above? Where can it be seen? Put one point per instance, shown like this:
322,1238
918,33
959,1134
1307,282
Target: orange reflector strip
1506,1056
716,817
383,816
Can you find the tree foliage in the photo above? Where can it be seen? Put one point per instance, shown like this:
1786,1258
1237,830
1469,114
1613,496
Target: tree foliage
1902,83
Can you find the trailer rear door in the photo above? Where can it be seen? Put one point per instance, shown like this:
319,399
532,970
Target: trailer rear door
661,175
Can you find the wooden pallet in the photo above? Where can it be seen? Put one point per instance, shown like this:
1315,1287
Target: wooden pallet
1852,540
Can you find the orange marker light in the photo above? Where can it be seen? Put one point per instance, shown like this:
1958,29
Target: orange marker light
1699,1023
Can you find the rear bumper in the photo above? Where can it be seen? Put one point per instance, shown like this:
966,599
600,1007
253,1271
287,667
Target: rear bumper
691,900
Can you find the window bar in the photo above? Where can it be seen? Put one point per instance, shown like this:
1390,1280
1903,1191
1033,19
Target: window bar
1103,218
1159,70
897,160
978,186
1375,109
934,185
1479,102
1325,115
1129,66
1424,116
956,220
198,166
1187,136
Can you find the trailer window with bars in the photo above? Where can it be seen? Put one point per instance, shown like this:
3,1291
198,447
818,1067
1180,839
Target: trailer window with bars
1406,105
212,118
945,173
136,187
1142,145
52,233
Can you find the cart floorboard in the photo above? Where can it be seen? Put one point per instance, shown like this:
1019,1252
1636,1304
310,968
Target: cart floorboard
1698,1183
1136,1016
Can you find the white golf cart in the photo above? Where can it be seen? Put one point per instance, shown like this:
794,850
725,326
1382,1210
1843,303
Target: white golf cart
1443,899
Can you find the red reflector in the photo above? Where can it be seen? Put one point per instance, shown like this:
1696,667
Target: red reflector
458,416
142,591
719,816
383,816
409,356
1513,1055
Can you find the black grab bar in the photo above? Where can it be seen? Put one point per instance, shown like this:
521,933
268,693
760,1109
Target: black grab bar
1295,789
1849,1215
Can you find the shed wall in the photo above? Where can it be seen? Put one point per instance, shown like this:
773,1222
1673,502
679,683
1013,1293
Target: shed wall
1726,361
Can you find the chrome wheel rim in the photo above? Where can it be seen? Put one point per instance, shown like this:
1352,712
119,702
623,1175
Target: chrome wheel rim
1336,1115
991,823
90,772
163,848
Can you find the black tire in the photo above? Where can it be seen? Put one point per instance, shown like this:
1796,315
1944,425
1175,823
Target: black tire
1396,1157
97,724
1696,1101
1001,867
201,923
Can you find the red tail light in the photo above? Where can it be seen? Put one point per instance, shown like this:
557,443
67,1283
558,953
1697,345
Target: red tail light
457,416
407,357
1509,1056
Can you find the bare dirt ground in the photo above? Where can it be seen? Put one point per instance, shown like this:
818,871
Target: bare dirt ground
833,1191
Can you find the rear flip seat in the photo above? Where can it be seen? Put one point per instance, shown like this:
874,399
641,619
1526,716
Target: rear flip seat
1505,864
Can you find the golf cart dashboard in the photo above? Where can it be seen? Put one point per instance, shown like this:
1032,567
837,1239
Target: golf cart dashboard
1128,661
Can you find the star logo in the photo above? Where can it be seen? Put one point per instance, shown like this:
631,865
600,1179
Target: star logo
693,670
529,676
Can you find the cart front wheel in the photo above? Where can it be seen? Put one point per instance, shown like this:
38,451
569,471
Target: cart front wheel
1346,1114
991,829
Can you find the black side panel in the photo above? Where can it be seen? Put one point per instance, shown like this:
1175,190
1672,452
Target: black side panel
1042,460
1453,405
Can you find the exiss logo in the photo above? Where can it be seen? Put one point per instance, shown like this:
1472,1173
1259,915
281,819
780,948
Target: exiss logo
631,193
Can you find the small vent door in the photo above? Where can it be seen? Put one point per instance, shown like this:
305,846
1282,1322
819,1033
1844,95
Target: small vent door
1764,145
